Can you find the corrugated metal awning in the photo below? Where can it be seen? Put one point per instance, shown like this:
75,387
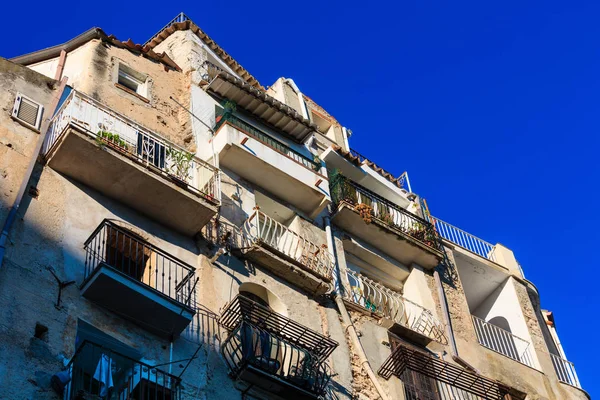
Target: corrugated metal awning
273,112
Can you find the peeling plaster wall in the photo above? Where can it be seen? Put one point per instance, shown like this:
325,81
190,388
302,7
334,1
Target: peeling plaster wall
17,142
93,70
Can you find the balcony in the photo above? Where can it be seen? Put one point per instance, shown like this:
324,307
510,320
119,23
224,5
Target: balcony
273,352
405,318
98,372
503,342
271,164
565,370
384,225
428,377
134,279
286,253
112,154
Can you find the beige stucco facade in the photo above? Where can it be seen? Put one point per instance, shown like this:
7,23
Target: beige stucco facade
311,271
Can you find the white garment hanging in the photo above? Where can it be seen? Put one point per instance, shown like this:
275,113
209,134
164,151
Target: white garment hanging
103,374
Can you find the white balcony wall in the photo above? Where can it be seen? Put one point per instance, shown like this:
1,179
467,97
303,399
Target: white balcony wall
203,107
502,308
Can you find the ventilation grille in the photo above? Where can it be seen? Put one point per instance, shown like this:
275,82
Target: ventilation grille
27,111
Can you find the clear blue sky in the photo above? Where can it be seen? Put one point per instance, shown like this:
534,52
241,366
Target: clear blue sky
492,108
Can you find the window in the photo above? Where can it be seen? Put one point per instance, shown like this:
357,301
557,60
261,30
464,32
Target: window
27,112
133,80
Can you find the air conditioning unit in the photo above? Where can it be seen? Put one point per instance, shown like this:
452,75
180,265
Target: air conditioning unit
27,112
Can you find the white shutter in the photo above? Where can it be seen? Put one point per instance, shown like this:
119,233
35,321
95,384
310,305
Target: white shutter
27,111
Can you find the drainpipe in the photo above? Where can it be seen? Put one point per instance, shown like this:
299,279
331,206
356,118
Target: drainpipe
346,321
61,65
12,214
445,312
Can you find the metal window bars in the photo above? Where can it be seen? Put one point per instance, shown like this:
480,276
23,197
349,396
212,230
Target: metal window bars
242,309
101,373
386,303
135,142
565,370
344,190
463,239
134,257
443,373
260,228
267,140
251,345
503,342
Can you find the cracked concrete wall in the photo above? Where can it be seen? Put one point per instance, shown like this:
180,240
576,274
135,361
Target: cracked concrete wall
93,70
18,142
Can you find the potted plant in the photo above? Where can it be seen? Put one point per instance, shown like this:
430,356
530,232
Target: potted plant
180,166
111,139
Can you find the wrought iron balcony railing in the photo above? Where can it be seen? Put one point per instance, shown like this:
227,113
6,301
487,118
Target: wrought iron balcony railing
503,342
249,345
565,371
242,309
463,239
372,206
259,227
137,143
98,372
267,140
428,377
385,302
276,345
134,257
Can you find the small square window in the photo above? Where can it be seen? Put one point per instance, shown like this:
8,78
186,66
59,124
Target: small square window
133,80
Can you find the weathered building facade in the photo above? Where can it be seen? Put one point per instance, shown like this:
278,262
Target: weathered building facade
174,230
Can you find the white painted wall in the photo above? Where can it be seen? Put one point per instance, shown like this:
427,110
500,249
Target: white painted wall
503,302
417,290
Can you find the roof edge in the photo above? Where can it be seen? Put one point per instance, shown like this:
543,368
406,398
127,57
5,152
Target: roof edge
54,51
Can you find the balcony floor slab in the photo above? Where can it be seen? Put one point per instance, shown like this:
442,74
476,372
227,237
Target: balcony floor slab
137,302
285,268
143,188
395,243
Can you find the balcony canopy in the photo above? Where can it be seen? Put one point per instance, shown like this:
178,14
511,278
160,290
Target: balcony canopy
258,103
445,373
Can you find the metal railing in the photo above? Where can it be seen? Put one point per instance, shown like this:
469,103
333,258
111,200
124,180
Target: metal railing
565,371
403,180
251,345
129,254
385,302
260,228
371,205
267,140
122,134
242,309
429,377
463,239
181,17
100,373
503,342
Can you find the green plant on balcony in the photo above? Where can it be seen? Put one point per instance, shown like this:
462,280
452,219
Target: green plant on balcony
317,162
181,163
421,233
229,107
112,139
